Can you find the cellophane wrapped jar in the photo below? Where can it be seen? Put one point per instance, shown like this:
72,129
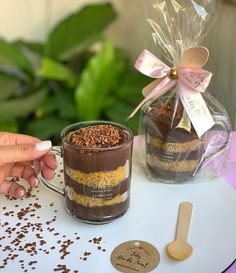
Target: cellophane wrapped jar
184,127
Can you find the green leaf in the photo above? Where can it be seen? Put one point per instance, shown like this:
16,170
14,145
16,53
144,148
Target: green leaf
62,103
80,28
9,126
119,113
96,82
46,128
130,87
8,86
33,51
66,106
22,107
54,70
11,57
35,47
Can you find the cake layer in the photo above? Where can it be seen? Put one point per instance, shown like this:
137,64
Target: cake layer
170,175
99,179
97,214
175,147
95,160
176,166
88,201
107,192
171,157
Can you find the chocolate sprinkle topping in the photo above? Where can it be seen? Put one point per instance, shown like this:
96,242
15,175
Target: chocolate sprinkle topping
96,136
166,109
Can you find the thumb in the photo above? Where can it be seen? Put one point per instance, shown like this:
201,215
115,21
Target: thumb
24,152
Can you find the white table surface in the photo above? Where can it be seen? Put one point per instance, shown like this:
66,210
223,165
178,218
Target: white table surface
152,217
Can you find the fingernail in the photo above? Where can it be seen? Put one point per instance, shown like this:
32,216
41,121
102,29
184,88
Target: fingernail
36,182
43,146
21,193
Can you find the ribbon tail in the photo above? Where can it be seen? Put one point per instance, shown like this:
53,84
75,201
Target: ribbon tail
147,89
159,90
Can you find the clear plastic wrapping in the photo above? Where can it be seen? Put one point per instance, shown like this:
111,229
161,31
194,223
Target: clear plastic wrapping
185,129
180,24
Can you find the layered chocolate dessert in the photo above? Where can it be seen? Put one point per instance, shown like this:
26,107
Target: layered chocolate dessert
97,172
172,153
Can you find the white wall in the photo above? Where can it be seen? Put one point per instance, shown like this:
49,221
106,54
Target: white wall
30,19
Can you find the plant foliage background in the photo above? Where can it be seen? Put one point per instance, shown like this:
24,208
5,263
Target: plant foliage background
76,75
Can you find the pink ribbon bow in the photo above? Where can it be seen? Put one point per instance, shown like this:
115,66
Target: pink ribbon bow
190,79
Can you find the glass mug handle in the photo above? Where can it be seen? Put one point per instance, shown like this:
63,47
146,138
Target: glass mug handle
58,152
223,123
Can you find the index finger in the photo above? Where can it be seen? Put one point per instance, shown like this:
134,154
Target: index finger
15,139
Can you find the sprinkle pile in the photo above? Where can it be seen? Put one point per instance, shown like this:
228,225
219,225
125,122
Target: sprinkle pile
96,136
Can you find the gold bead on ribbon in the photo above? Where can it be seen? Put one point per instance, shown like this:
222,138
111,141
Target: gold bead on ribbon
174,74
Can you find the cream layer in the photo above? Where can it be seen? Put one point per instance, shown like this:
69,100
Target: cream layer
94,202
172,147
99,179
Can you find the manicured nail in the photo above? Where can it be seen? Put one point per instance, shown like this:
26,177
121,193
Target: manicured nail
53,174
36,182
21,193
43,146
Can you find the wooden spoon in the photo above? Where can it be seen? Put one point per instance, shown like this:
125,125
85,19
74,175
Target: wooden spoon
180,249
195,57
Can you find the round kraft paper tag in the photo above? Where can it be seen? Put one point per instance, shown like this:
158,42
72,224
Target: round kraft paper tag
135,257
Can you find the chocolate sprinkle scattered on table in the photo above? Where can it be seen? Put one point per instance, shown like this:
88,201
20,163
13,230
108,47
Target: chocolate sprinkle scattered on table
17,244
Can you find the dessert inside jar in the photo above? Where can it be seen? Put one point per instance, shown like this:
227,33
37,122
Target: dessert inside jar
97,163
173,149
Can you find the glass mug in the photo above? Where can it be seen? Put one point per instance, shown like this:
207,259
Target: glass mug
175,154
96,180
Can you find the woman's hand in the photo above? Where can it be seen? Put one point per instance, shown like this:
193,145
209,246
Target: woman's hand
24,157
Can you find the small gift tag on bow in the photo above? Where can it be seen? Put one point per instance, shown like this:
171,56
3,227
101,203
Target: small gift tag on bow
135,257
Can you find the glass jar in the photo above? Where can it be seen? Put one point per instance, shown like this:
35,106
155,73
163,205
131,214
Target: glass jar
174,152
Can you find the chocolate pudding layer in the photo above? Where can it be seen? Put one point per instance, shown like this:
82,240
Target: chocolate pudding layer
172,153
97,172
97,215
169,175
96,160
